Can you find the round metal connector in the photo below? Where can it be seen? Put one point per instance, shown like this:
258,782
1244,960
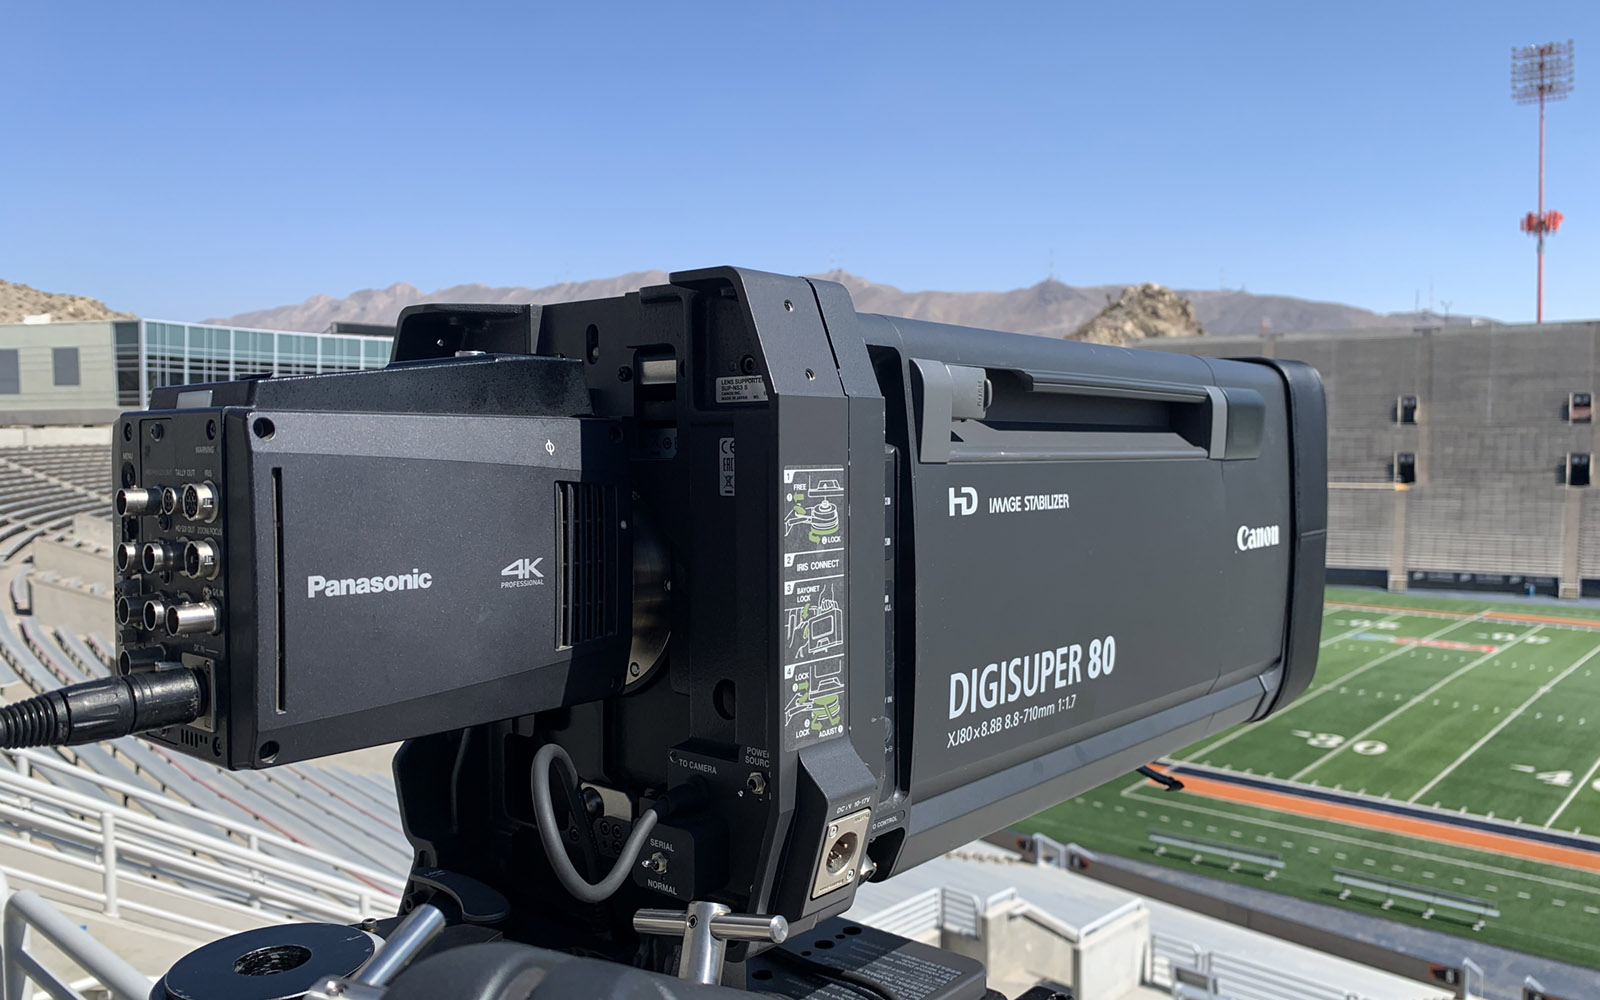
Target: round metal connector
130,660
192,619
169,500
200,559
199,502
840,854
127,556
136,502
125,611
154,610
156,557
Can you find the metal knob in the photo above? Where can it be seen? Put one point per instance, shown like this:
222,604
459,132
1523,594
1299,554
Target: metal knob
706,929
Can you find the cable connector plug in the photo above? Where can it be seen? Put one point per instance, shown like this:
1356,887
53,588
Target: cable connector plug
105,709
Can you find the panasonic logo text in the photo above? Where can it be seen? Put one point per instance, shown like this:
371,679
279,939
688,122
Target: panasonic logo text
1256,538
321,586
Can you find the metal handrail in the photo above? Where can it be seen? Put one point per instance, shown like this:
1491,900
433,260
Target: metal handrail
1107,919
252,835
23,910
1230,974
119,839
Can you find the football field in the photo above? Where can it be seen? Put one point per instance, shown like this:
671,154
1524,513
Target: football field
1443,769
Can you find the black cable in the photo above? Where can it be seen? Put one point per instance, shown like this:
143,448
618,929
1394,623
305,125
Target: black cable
104,709
1172,784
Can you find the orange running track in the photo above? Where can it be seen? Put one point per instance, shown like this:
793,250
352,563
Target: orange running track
1387,822
1488,616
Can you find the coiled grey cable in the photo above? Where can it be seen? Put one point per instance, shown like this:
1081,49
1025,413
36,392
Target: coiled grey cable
556,851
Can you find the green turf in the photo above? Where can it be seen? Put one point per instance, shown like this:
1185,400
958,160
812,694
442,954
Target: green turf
1504,724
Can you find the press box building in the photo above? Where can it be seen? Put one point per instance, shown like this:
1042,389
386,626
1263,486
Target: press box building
85,373
1458,456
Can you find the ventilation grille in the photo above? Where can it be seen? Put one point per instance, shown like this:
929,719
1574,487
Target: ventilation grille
586,562
190,738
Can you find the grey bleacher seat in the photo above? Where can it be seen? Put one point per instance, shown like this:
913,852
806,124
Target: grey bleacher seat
317,824
366,793
11,546
19,590
90,664
354,811
104,648
43,644
202,786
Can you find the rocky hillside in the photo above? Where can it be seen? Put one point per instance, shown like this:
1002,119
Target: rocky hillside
20,301
1142,311
1049,307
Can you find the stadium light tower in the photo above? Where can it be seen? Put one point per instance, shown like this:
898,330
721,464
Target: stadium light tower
1541,73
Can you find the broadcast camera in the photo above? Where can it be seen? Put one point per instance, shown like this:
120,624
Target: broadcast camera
699,606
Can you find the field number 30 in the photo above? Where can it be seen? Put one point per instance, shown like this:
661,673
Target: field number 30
1330,741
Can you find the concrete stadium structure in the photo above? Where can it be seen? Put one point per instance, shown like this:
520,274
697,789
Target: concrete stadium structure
1489,415
88,372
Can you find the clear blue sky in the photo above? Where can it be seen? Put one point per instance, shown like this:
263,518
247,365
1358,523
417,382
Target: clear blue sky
189,160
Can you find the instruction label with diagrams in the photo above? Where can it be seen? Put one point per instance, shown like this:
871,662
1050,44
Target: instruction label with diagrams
813,526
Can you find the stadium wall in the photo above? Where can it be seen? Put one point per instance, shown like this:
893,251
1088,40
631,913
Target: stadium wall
1489,506
57,373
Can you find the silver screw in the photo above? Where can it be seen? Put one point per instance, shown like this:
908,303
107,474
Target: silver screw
833,829
633,670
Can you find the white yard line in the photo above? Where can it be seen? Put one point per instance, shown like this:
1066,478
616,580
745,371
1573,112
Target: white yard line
1358,737
1504,873
1320,689
1543,690
1580,786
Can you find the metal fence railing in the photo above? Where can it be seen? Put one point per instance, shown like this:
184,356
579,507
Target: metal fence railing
117,848
25,911
1188,970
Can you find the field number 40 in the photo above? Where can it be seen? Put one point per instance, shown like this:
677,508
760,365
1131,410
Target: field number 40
1562,779
1331,741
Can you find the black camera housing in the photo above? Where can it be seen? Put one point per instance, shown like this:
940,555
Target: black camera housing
869,587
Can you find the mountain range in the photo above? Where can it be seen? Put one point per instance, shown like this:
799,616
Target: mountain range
1050,307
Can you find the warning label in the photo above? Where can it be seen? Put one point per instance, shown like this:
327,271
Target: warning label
813,605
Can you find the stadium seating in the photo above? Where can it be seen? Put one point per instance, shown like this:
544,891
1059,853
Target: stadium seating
42,488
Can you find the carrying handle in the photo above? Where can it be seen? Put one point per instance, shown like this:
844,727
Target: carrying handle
1226,421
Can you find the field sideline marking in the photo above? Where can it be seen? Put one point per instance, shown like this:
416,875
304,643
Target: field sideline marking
1504,873
1324,688
1580,786
1345,635
1540,693
1358,737
1586,624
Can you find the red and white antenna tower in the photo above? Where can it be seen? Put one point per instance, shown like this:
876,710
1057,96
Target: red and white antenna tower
1541,73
